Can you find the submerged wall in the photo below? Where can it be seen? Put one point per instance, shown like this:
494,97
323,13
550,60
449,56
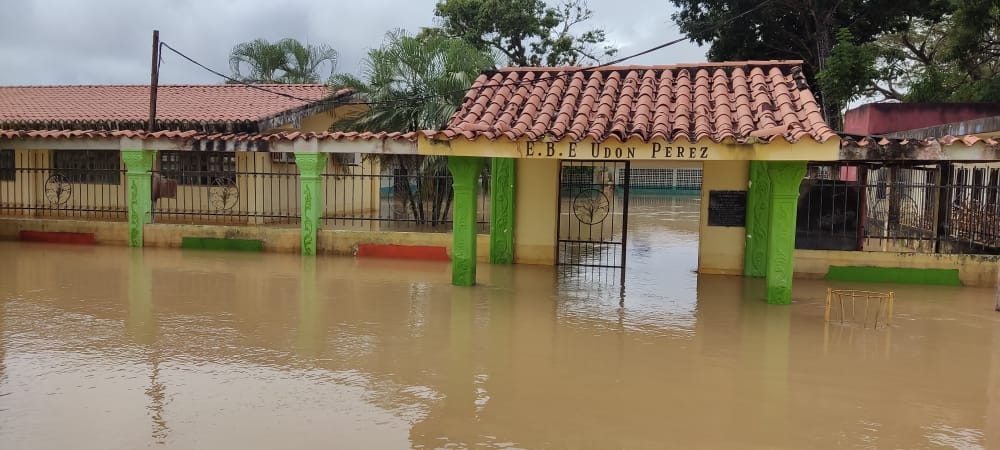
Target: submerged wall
266,238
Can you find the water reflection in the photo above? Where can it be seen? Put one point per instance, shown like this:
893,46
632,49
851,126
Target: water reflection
112,348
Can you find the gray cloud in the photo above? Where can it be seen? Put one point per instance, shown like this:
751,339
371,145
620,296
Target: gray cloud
109,41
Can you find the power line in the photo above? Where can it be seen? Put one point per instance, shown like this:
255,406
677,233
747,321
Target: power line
552,76
234,80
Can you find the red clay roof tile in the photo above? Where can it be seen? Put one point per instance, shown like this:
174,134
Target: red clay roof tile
717,101
221,106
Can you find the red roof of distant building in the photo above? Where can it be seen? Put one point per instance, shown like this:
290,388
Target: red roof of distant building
218,107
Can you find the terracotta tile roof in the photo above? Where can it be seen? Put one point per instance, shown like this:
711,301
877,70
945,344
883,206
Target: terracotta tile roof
718,101
193,135
222,107
874,142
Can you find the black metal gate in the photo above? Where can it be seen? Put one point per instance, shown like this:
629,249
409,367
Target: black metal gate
593,218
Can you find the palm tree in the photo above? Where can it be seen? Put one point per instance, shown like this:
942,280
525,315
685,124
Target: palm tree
415,83
303,62
285,61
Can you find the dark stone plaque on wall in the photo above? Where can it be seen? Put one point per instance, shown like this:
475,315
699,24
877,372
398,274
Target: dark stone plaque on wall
727,208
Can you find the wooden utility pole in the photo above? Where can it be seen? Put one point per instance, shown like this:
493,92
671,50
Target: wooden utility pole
154,81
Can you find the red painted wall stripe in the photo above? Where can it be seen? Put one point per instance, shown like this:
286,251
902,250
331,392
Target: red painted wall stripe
423,252
57,237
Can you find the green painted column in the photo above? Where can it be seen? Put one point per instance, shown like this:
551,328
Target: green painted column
311,167
465,172
138,164
502,176
757,221
785,176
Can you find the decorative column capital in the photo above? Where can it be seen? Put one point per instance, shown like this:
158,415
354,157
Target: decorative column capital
310,164
137,160
786,176
465,170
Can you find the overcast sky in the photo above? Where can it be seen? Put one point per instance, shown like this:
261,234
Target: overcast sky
109,41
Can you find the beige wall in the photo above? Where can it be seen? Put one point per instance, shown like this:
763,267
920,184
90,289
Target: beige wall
352,191
322,121
535,211
973,270
720,249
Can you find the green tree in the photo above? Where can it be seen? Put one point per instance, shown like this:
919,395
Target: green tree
410,84
526,32
794,29
954,58
284,61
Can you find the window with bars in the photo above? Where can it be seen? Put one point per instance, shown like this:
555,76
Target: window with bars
7,172
87,166
199,168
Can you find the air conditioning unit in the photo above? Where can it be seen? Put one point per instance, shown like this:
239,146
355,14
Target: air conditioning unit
283,157
347,159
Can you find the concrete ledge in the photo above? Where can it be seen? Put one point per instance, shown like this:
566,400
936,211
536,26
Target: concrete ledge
972,270
268,238
421,252
243,245
105,233
350,242
869,274
60,237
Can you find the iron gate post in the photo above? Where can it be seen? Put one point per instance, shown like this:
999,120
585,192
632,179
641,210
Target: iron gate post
465,172
311,167
786,177
138,164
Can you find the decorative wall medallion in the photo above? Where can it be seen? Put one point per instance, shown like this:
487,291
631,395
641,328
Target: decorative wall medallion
223,194
591,206
58,189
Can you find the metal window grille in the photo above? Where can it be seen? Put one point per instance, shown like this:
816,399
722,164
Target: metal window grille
400,193
74,187
198,168
7,172
87,166
214,187
662,178
942,208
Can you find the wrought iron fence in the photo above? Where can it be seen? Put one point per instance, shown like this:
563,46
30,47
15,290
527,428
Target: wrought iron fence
942,208
63,184
233,188
400,193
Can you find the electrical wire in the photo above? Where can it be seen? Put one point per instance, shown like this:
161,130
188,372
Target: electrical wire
414,99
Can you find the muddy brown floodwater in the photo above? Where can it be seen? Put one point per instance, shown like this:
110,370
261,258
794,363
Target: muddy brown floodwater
112,348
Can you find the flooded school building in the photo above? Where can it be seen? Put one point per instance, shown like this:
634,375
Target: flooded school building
572,247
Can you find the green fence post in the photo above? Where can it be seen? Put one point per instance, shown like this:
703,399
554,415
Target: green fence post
138,164
465,172
311,167
785,176
502,176
758,216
